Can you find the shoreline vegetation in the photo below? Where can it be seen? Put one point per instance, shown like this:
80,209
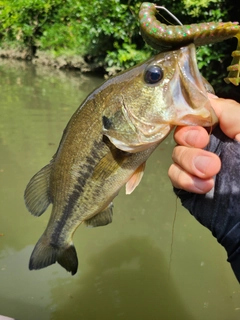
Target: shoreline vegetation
103,36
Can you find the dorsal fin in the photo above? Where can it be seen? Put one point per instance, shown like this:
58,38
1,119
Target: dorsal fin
37,193
101,219
135,179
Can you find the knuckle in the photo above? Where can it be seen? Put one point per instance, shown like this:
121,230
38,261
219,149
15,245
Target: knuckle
181,155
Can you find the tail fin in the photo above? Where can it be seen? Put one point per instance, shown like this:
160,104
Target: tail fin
45,254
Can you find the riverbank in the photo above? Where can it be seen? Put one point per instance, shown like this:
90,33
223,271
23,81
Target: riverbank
48,59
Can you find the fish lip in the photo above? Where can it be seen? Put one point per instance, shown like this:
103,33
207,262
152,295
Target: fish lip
196,80
189,95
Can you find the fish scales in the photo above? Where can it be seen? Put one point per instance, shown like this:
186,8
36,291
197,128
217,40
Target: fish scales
106,144
81,163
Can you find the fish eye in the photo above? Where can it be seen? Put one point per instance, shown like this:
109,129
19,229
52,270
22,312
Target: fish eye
153,74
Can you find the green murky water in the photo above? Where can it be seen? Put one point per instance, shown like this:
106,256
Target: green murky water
123,267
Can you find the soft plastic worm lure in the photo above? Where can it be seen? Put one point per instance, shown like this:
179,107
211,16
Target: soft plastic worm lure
166,37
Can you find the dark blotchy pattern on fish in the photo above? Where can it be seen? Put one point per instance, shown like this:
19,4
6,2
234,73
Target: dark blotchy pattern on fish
86,171
106,122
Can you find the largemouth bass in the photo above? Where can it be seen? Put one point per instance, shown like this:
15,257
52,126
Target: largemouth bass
106,144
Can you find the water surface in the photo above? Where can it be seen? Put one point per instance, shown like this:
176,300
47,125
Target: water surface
124,268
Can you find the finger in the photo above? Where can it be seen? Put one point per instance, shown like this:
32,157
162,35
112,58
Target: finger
197,162
228,113
183,180
191,136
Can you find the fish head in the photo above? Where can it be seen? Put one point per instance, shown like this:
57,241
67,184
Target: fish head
165,91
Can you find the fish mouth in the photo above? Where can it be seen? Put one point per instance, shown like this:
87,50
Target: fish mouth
189,97
186,101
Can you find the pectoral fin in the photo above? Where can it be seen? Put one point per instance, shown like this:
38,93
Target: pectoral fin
101,219
37,193
135,179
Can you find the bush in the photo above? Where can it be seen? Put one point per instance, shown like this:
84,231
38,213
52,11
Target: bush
106,32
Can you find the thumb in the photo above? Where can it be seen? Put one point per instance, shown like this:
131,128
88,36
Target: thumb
228,113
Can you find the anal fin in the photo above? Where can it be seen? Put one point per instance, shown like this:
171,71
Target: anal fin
101,219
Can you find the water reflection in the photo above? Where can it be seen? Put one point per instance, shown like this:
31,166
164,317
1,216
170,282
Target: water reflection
123,267
20,296
127,280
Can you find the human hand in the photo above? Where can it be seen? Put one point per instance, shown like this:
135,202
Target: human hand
213,199
194,168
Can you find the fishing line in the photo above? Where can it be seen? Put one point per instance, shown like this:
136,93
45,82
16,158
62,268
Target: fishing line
209,134
175,214
170,13
172,236
165,19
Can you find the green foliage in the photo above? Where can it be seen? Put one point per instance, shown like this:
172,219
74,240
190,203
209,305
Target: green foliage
106,32
124,56
195,7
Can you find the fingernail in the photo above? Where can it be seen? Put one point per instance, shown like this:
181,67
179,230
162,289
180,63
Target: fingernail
203,186
202,163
